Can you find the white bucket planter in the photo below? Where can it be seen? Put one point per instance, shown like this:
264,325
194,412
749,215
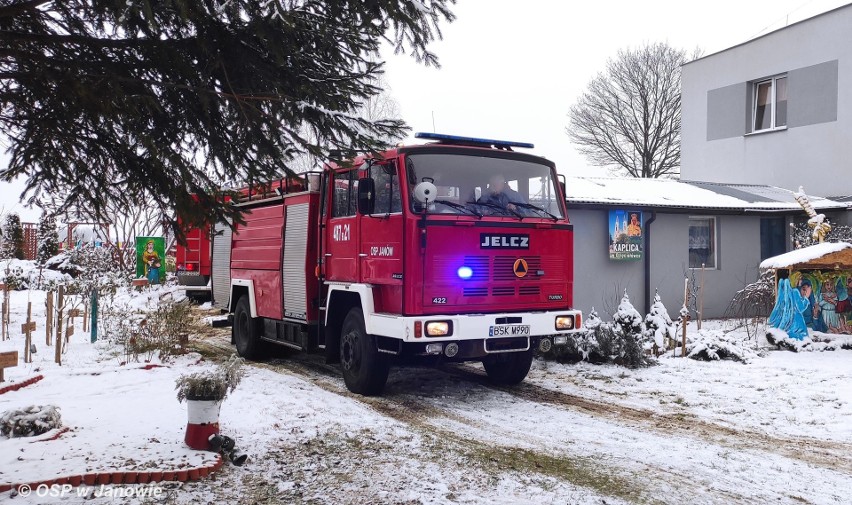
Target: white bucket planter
202,421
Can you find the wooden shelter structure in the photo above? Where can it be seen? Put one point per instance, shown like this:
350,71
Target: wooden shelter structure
823,275
826,256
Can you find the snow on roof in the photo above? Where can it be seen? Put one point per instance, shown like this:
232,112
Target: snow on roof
685,194
804,255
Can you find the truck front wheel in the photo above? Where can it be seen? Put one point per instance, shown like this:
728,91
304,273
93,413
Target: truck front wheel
246,330
508,369
365,371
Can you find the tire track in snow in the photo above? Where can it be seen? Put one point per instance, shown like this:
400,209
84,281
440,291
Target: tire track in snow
823,453
431,420
403,403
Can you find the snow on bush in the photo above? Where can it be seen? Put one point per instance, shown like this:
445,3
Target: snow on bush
658,326
212,384
141,334
24,274
587,342
603,342
30,421
48,239
629,330
713,345
816,342
91,268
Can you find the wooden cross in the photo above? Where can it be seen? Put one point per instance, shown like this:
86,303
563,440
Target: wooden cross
7,360
27,329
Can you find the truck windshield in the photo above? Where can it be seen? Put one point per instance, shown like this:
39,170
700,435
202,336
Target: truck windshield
485,186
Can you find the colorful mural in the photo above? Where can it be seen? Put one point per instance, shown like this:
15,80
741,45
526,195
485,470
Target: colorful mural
816,300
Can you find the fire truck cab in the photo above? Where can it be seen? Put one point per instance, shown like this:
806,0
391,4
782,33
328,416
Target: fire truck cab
455,250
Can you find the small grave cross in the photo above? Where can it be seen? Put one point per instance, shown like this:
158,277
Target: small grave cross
27,329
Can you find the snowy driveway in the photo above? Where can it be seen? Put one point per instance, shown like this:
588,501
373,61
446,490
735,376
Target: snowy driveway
682,432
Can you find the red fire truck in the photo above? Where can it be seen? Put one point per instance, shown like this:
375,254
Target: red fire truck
192,263
456,250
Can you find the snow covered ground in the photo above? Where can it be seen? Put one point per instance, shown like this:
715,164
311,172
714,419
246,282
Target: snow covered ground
774,430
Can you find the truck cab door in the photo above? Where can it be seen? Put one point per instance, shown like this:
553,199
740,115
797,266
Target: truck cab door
380,232
341,235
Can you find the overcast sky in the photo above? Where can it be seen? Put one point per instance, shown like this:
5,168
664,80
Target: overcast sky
511,69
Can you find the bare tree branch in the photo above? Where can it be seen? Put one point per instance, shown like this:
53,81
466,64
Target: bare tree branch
629,117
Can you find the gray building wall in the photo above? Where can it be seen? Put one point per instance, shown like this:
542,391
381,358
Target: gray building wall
599,282
814,150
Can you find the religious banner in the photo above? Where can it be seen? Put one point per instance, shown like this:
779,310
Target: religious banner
151,259
625,235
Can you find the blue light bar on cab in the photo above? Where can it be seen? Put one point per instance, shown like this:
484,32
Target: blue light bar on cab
455,139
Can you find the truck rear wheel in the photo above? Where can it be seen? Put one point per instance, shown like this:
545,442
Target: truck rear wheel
508,369
246,330
365,371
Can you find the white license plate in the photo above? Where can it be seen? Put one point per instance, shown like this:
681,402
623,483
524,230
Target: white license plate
509,330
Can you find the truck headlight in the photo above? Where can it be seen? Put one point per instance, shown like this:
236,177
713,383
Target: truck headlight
439,328
565,322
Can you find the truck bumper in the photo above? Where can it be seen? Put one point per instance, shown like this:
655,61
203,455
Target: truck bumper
474,335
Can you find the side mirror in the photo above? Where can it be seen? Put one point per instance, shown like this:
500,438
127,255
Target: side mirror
366,196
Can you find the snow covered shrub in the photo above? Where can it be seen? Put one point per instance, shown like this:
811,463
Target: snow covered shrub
659,328
13,238
212,384
601,342
25,274
713,345
142,336
30,421
14,278
48,239
604,346
588,342
816,342
630,332
595,344
161,330
92,268
568,353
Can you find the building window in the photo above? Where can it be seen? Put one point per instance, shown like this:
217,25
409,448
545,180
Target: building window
770,104
702,242
772,237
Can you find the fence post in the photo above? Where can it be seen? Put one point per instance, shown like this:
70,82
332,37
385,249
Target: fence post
48,325
60,302
94,313
685,315
4,317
